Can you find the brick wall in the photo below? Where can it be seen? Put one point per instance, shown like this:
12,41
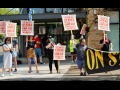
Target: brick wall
95,35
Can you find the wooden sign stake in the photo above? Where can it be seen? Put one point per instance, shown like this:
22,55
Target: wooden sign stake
58,65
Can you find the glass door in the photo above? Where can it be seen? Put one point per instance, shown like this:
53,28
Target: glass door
113,35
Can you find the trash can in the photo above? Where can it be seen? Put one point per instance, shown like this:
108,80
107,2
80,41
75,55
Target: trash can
32,61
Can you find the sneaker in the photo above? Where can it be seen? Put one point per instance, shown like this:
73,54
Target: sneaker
84,74
11,74
81,74
2,75
42,63
50,72
15,70
72,61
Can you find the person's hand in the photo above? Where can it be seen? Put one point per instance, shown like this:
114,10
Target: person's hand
12,48
111,49
103,42
26,39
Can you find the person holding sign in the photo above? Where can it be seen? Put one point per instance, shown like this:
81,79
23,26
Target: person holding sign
7,56
50,46
81,52
104,45
73,49
30,44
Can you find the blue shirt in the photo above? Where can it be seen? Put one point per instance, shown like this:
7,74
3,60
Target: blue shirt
14,42
81,51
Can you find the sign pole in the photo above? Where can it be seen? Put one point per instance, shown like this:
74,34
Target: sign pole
104,34
58,65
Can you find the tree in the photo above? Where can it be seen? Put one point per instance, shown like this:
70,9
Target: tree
3,11
1,36
86,20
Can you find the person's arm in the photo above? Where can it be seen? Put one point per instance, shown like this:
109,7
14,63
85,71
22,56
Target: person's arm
101,44
73,42
38,41
26,41
48,46
6,50
111,46
16,46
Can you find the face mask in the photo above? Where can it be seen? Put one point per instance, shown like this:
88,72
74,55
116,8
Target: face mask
52,39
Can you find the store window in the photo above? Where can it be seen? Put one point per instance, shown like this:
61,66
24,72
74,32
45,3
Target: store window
37,10
53,10
70,10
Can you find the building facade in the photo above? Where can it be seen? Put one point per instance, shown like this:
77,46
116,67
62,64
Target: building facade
48,21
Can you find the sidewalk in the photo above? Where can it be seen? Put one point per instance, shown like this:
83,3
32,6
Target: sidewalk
73,74
69,72
43,75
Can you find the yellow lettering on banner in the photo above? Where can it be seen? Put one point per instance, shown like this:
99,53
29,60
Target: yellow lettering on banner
100,57
112,58
88,61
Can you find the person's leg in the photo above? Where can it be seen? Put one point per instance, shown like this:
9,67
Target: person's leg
56,64
40,55
35,61
3,70
50,56
72,57
15,61
79,63
29,64
84,68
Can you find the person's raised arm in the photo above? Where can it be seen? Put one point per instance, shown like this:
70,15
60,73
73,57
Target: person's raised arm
26,41
73,41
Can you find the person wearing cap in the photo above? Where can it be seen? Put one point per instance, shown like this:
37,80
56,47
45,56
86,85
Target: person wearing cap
50,46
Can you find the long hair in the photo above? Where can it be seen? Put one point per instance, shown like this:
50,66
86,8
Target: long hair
6,40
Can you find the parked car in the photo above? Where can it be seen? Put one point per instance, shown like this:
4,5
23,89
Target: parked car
1,43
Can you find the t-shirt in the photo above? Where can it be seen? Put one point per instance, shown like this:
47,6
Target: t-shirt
81,52
14,42
105,46
37,44
31,44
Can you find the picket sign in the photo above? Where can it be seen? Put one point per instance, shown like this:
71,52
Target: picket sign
59,53
103,23
83,29
3,27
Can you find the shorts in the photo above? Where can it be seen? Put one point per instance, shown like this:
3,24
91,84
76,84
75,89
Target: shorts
80,63
74,51
30,53
14,54
38,51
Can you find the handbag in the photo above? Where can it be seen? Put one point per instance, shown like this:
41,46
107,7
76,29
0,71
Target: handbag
10,50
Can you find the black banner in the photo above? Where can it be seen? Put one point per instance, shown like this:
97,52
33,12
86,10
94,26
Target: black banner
100,61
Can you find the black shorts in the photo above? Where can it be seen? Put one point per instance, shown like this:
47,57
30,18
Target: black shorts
74,51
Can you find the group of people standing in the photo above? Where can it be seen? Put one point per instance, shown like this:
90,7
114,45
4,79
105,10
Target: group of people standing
33,49
77,48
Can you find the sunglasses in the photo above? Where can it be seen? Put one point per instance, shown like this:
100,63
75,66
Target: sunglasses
8,40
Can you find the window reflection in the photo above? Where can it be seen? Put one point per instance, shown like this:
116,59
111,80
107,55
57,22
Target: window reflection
37,10
53,10
66,10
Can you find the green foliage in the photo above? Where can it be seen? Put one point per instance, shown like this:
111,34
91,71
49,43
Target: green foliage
17,29
5,10
1,36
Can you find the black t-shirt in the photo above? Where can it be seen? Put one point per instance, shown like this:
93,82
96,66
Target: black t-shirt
105,46
31,44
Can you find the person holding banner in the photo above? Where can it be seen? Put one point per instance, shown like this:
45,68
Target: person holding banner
30,44
81,53
104,45
7,56
50,46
